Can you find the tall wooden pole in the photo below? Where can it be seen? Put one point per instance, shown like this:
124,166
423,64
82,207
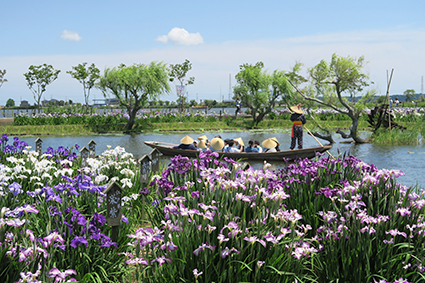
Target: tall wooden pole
388,96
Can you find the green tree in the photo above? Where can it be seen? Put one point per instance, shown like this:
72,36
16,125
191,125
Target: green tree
340,78
178,72
260,91
409,93
87,76
38,78
133,86
2,79
10,103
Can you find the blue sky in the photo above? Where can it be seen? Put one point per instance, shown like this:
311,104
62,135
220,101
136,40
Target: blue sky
216,36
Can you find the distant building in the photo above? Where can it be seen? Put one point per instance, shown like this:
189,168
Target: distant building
24,103
112,102
98,102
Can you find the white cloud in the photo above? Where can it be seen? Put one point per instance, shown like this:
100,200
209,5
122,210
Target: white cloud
180,36
71,35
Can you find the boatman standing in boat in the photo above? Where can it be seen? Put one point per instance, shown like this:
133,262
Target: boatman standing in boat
298,119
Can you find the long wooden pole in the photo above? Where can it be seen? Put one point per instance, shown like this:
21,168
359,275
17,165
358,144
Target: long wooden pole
388,97
327,151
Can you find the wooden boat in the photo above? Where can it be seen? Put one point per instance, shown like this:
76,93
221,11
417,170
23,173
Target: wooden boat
167,149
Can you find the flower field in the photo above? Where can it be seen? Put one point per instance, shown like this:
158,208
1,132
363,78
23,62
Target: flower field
205,220
402,114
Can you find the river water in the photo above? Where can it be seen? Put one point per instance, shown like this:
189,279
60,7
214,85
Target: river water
409,158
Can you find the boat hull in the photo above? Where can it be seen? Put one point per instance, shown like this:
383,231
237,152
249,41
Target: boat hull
168,150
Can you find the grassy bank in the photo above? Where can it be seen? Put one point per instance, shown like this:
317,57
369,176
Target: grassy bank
236,125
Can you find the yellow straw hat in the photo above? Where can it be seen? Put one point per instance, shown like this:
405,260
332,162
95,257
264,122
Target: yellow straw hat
269,143
186,140
204,137
201,144
239,141
297,109
217,143
275,140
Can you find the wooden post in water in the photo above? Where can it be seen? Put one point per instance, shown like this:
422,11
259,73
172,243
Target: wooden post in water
113,208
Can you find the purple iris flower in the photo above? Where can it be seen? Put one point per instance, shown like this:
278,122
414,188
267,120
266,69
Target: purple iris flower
79,241
77,216
15,189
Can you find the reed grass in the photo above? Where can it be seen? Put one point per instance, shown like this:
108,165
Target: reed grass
398,137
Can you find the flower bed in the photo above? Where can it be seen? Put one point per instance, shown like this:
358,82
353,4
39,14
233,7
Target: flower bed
208,221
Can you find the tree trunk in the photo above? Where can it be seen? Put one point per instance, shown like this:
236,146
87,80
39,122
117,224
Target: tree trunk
327,137
353,131
132,117
259,118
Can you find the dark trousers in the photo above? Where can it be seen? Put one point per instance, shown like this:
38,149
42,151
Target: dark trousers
298,135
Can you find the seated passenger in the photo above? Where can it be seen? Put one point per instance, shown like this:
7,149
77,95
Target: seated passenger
217,144
207,143
186,143
239,144
231,147
250,146
202,146
270,145
276,141
257,145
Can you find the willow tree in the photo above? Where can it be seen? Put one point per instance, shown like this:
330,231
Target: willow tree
260,91
335,82
134,85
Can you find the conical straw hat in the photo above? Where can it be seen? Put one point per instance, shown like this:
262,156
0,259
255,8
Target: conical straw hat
204,137
217,143
201,144
269,143
297,109
239,141
275,140
186,140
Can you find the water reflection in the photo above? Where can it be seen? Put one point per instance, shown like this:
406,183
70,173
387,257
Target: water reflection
409,159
